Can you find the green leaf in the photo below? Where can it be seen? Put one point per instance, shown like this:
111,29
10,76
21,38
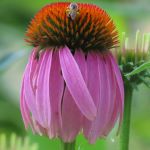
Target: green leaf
139,69
10,58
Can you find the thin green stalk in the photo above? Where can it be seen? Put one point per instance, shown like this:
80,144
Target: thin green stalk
125,129
68,146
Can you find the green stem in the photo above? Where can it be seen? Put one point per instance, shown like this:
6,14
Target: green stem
68,146
125,129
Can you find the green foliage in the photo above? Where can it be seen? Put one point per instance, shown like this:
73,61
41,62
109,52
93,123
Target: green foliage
81,143
16,143
134,75
10,118
139,69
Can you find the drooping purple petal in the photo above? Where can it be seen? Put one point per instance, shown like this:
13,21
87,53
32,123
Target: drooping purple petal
119,82
76,84
24,109
72,121
29,96
80,59
42,90
71,118
37,128
114,115
97,84
56,84
111,94
93,86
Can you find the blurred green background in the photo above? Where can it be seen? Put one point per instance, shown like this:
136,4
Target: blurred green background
129,15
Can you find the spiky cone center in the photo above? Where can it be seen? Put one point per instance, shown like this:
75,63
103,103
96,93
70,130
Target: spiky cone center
88,28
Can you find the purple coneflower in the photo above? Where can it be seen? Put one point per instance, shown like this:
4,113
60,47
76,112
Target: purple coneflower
72,82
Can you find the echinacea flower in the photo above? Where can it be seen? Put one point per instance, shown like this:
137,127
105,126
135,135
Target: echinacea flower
72,82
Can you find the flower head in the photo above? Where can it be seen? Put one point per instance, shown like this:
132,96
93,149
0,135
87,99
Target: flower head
91,30
72,82
130,59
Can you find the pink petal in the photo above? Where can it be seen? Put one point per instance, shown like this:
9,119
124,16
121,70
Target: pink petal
93,86
29,96
97,84
56,91
71,118
111,94
115,114
72,121
24,109
80,59
43,91
37,128
120,84
76,84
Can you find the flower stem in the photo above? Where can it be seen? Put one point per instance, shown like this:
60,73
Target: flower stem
68,146
125,129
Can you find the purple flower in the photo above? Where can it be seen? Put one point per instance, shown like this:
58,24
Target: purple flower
72,84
